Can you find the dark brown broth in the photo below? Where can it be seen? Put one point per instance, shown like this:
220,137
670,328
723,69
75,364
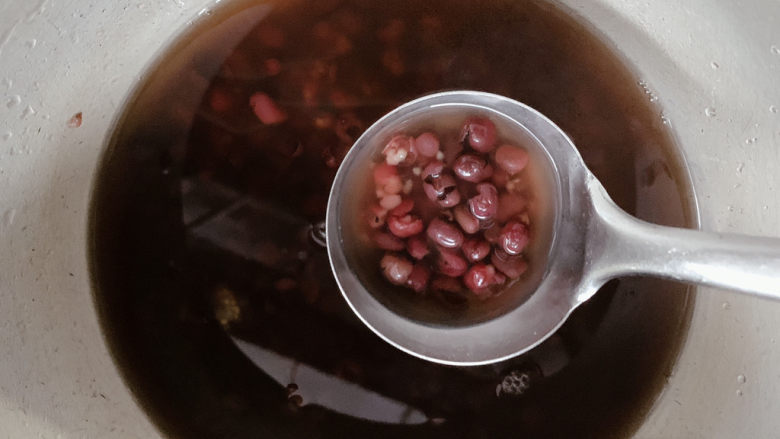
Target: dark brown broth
199,227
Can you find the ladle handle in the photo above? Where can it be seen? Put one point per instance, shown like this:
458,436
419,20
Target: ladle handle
623,245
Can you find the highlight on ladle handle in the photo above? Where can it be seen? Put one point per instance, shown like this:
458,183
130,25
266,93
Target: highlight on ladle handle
623,245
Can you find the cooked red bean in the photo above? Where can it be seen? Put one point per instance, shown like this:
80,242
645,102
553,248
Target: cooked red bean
417,246
376,217
390,201
446,283
387,180
396,268
514,237
512,266
480,134
418,278
473,168
404,226
427,144
442,190
400,150
405,207
468,222
511,158
480,277
266,109
450,263
386,241
484,205
510,205
445,234
433,170
475,249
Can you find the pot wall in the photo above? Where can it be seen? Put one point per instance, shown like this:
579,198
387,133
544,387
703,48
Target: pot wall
713,66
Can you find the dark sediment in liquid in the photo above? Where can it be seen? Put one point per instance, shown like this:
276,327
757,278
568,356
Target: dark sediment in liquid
200,224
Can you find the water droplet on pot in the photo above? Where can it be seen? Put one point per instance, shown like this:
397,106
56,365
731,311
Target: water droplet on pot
774,49
751,140
13,101
725,305
714,65
741,379
739,392
709,112
773,109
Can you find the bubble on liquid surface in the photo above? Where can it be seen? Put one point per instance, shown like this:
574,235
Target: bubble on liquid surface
709,112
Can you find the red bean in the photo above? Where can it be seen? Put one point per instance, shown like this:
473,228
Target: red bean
473,168
417,246
446,283
512,266
449,263
465,219
390,201
386,241
444,234
266,109
404,226
427,144
396,268
439,187
484,205
418,278
492,234
511,158
384,174
500,177
475,249
400,150
480,278
510,205
405,207
514,237
480,133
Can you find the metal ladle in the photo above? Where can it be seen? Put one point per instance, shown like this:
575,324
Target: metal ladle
594,241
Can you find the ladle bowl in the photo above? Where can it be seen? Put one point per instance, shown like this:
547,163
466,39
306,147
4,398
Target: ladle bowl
593,242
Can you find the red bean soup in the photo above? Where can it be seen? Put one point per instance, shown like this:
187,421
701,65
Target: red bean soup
452,222
219,304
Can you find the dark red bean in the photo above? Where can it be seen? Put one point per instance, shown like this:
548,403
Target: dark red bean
386,241
492,234
417,246
405,207
266,109
440,187
396,268
405,226
480,134
481,277
514,237
427,144
473,168
511,158
400,151
484,205
465,219
512,266
444,234
475,249
446,283
418,278
450,263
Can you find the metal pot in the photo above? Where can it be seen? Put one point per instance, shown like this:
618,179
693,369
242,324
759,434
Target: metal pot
714,67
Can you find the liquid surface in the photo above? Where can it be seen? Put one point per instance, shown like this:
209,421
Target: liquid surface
223,315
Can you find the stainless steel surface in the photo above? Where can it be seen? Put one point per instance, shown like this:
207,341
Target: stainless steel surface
594,242
713,67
